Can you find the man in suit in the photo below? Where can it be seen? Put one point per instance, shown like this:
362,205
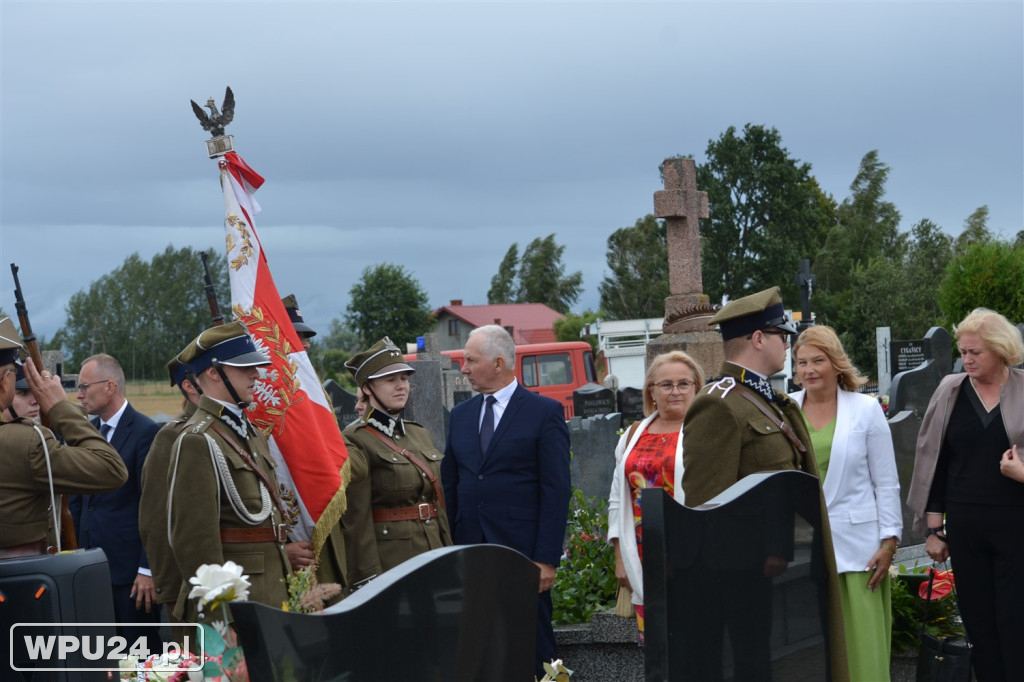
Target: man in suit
506,468
110,521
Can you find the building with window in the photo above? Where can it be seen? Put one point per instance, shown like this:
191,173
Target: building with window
526,322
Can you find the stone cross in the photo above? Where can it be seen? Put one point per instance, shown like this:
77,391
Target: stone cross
681,205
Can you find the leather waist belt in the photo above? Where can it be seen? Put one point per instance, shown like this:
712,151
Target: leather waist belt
37,548
417,512
264,534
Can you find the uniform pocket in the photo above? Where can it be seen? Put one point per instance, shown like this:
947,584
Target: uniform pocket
251,562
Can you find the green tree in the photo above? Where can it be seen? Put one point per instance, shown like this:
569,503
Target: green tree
638,259
766,213
143,313
330,351
388,301
504,286
538,277
987,275
569,327
975,231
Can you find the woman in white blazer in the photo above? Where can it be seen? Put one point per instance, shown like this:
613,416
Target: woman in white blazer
853,446
650,454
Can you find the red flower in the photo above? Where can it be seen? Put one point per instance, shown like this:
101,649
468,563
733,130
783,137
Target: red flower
941,587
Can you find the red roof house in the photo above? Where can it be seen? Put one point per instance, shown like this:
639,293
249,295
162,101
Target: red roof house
526,322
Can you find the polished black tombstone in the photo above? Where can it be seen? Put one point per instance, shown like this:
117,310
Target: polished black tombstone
631,405
466,613
344,403
735,589
593,400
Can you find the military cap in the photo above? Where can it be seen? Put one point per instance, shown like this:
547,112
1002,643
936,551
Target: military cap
292,306
228,344
379,360
178,370
20,382
10,342
748,314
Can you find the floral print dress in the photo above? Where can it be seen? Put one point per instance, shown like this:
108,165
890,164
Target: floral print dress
651,463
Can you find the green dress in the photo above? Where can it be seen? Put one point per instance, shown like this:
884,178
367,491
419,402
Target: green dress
867,615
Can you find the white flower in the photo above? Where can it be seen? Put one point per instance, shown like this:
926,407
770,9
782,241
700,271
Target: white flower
214,583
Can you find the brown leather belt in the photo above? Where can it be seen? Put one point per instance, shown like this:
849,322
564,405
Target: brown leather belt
418,512
263,534
37,548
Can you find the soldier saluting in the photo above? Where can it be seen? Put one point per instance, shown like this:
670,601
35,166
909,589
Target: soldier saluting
223,499
36,466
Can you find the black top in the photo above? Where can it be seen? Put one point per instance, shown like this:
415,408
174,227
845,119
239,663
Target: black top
968,468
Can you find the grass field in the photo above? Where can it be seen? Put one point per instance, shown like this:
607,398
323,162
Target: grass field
151,398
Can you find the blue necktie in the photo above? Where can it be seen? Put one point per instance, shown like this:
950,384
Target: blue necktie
105,429
487,426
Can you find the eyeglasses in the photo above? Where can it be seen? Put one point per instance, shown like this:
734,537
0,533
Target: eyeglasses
9,370
683,386
786,336
82,388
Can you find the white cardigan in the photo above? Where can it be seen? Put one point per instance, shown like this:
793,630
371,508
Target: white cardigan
861,486
620,506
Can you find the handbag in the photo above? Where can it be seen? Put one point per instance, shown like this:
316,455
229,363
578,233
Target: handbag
940,659
624,603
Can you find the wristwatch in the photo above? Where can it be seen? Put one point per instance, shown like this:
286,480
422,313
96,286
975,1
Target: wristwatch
934,531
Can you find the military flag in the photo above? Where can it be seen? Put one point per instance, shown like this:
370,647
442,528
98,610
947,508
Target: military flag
291,408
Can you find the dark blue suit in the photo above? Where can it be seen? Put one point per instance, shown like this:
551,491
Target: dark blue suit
110,521
517,493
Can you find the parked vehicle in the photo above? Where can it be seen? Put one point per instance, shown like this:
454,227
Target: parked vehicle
552,369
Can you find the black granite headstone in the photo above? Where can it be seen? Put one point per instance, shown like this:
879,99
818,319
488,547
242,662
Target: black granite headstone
631,405
450,614
461,397
906,355
593,400
735,589
344,403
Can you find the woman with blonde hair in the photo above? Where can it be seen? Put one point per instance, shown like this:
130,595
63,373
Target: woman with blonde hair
650,454
967,493
857,465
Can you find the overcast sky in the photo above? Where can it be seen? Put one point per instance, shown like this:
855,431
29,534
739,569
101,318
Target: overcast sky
433,135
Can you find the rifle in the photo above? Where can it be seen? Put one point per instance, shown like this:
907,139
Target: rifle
67,524
211,293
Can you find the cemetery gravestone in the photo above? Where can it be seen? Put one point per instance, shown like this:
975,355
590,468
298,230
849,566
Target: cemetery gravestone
593,442
344,403
906,355
631,405
593,400
450,614
711,613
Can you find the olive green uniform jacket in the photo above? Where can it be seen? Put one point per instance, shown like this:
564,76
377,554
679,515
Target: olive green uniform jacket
383,479
726,438
153,509
200,505
86,463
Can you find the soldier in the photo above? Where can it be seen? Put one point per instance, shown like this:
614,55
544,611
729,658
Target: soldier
35,465
304,331
153,509
736,426
24,404
395,500
723,434
223,501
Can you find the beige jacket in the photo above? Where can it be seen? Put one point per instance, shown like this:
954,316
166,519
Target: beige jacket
933,432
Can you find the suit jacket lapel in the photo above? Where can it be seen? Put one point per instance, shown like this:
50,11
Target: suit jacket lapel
840,443
514,403
124,427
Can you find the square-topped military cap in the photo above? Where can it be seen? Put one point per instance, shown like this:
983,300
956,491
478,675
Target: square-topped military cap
746,315
379,360
291,305
10,342
229,344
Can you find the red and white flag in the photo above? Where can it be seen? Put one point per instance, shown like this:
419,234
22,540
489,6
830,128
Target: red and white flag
291,407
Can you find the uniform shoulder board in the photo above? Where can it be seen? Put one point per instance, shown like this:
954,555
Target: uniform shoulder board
199,425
